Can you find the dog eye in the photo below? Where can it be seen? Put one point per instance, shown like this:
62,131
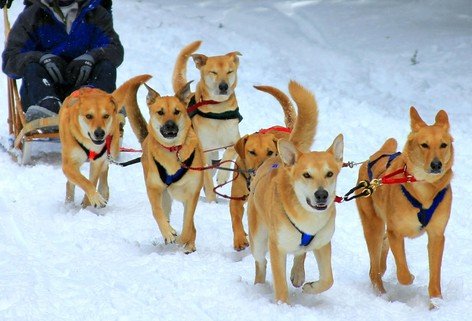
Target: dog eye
176,112
160,112
252,152
269,153
229,72
443,145
329,174
424,145
106,116
306,175
89,116
213,73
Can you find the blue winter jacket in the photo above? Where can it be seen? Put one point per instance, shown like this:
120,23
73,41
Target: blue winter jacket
37,31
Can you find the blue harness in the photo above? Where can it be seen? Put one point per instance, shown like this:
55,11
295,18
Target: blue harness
305,239
425,214
170,179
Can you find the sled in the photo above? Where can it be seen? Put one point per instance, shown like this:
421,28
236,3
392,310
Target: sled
25,133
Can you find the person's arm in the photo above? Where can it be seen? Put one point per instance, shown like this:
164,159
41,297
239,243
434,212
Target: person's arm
20,49
106,43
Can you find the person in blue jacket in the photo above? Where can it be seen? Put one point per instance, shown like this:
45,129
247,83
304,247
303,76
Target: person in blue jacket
58,46
105,4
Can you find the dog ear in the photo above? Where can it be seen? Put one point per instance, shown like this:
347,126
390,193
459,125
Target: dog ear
442,119
240,145
337,148
235,55
200,60
287,152
416,122
152,95
71,101
113,102
184,93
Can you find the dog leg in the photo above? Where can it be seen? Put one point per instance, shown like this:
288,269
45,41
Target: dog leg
297,275
374,231
397,244
208,187
383,257
323,259
258,244
72,172
189,233
236,208
223,175
155,197
103,188
435,253
70,192
278,263
94,174
166,204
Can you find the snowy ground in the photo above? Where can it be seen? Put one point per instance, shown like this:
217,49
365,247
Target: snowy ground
358,56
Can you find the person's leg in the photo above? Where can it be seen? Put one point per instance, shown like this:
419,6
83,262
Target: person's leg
39,95
103,76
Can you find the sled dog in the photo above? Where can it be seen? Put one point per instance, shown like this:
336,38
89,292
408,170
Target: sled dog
213,107
89,129
397,211
171,152
252,151
291,203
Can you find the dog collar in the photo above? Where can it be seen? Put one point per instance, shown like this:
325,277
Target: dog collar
170,179
275,128
193,109
91,155
425,214
172,148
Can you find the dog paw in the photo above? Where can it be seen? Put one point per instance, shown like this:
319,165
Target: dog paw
189,248
96,200
316,287
240,243
297,276
170,236
210,196
435,303
406,278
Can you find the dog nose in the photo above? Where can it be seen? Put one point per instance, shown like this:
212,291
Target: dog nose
321,195
99,133
436,166
223,86
169,129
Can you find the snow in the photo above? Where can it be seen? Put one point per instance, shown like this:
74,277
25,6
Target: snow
61,262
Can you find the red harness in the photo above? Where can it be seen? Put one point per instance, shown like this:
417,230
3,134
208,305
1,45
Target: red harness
192,108
275,128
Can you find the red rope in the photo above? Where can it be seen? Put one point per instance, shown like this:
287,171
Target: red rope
389,179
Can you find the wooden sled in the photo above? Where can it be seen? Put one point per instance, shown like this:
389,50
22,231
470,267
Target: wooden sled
25,133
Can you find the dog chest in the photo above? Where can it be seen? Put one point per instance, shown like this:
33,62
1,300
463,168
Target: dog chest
216,133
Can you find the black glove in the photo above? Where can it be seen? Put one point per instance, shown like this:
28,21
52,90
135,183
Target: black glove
79,69
55,66
7,2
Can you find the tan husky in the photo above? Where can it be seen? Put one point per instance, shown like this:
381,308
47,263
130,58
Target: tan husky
291,204
171,151
213,108
89,129
397,211
252,151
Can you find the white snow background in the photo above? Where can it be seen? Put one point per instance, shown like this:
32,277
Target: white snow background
62,262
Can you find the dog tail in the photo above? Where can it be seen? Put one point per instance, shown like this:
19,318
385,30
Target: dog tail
284,100
179,76
306,124
136,119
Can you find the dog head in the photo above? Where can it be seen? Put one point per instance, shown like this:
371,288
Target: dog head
429,152
218,74
254,149
95,111
313,175
169,121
